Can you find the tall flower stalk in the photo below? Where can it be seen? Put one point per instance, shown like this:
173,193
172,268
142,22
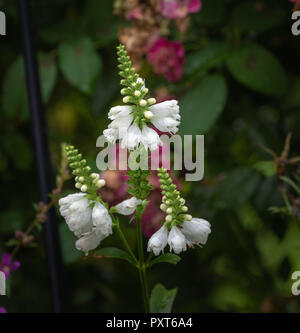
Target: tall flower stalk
136,126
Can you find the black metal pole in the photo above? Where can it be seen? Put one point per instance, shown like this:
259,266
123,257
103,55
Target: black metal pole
44,174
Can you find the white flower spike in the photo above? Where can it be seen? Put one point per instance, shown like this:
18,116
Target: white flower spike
130,123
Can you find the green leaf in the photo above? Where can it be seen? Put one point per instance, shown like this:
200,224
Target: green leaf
258,69
291,183
113,252
14,100
203,104
209,56
48,75
80,64
211,13
249,16
237,187
162,299
267,168
167,257
70,254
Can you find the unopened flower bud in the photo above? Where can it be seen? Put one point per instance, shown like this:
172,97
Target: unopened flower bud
137,93
81,179
169,210
78,185
126,99
151,101
184,208
100,183
83,188
143,102
188,217
94,175
123,91
148,114
169,218
145,90
182,201
163,207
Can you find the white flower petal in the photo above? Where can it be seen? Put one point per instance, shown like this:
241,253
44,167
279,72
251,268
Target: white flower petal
101,220
150,138
158,241
89,241
77,213
196,231
165,109
132,138
119,111
128,207
176,240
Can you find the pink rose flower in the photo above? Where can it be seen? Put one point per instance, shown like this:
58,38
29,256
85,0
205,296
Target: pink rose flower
167,58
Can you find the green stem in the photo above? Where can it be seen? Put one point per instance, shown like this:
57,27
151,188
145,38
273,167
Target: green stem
124,240
142,266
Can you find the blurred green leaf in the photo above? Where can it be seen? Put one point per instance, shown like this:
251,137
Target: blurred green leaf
14,91
267,168
258,69
211,13
253,16
48,75
167,257
237,187
209,56
70,253
18,149
80,63
113,252
199,112
162,299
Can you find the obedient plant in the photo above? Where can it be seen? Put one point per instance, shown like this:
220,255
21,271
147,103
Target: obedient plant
135,126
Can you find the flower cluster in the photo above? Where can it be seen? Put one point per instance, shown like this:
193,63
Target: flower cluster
179,229
129,124
150,24
86,214
167,58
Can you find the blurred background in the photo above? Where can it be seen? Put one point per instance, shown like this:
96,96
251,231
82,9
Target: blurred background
234,67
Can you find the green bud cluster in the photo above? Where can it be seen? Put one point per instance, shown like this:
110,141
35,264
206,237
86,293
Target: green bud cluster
138,183
86,181
172,203
134,90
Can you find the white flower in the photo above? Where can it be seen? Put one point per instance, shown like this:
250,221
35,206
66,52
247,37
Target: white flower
77,213
164,116
127,207
90,225
89,241
150,138
101,220
132,138
196,231
176,240
158,241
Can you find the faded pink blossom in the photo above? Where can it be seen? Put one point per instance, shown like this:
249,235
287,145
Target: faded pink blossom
2,310
7,265
173,9
167,58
